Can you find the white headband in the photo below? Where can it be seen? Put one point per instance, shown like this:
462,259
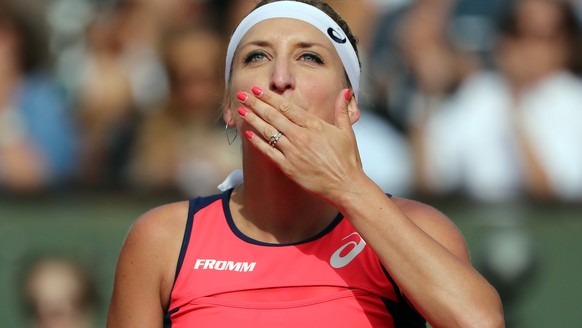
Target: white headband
308,14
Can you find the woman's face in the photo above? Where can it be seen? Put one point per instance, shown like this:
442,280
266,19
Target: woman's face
540,39
292,58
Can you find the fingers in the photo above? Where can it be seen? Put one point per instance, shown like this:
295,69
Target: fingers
269,113
267,131
280,105
271,151
346,110
340,109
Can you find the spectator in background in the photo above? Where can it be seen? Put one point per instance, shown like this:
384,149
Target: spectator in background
420,65
385,154
426,46
172,14
518,131
436,68
577,4
122,78
59,293
37,139
183,147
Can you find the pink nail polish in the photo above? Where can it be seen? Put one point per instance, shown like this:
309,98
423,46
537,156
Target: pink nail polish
249,134
242,96
348,94
242,111
257,91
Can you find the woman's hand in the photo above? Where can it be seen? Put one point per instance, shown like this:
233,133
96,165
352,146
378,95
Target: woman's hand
321,157
414,242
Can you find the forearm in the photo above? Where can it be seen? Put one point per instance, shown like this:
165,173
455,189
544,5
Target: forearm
437,279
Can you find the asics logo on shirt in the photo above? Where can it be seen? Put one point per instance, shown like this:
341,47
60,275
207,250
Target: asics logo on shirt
339,260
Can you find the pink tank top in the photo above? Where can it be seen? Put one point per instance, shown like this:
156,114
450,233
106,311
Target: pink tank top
226,279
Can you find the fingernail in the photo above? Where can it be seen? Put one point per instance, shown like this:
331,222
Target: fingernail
242,96
249,134
348,94
242,111
257,91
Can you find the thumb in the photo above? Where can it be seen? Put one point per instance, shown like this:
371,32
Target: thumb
340,110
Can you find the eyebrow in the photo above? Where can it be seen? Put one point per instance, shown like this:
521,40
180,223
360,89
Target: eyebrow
264,43
259,43
310,44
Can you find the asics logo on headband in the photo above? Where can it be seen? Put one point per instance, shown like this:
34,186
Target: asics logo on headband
336,36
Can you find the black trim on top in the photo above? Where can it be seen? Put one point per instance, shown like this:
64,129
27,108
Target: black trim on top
168,318
394,285
194,205
403,314
186,238
242,236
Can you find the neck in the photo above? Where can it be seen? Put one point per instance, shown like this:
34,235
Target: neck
270,207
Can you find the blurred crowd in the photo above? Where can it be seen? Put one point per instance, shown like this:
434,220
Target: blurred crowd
461,98
58,291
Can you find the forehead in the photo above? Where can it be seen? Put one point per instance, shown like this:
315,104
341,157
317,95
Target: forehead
286,29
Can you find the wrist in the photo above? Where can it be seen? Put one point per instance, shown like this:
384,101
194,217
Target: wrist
358,187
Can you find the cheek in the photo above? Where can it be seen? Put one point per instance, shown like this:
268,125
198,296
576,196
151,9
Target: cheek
243,83
320,97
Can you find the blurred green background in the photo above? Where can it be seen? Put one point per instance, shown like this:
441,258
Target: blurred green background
531,253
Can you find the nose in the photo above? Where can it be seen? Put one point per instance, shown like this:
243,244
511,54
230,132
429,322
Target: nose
282,78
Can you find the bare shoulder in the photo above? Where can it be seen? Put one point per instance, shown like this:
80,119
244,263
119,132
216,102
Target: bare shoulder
419,211
155,238
154,241
146,267
151,249
435,223
161,224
